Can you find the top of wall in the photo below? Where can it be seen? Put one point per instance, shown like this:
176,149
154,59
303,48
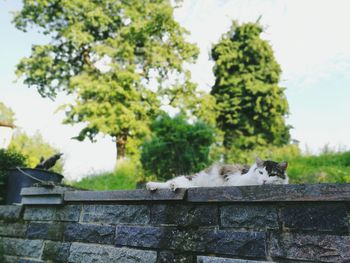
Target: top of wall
263,193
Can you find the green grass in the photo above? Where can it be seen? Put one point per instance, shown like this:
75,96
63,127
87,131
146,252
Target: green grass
125,177
325,168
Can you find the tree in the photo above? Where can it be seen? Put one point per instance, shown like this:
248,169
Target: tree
177,147
7,116
33,148
252,106
120,60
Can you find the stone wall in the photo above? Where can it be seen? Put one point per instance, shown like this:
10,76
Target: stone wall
292,223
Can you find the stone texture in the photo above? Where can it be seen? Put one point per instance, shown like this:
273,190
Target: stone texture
24,260
248,216
9,259
320,248
21,247
226,260
116,214
13,229
52,213
89,233
56,251
83,253
42,200
184,215
50,231
319,218
271,193
171,257
125,195
201,240
10,212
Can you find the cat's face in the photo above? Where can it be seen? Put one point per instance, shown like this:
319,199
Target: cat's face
270,172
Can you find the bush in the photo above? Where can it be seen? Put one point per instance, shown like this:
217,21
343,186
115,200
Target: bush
177,147
8,159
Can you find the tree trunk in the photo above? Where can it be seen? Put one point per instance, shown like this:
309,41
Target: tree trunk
121,146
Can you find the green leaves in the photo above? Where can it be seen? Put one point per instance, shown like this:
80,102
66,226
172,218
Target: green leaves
252,107
177,147
143,45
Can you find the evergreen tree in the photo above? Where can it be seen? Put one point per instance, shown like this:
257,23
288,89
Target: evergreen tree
107,54
252,106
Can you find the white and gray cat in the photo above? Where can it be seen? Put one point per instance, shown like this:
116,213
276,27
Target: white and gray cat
261,172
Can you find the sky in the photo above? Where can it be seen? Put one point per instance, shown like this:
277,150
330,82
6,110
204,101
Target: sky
310,39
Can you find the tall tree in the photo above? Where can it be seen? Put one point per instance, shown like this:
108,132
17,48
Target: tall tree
120,60
7,116
252,106
34,148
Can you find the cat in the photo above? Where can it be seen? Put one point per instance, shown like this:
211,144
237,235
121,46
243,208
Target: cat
261,172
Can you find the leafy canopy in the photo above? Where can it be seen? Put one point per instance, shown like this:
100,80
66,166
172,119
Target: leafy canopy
252,106
33,148
7,116
119,59
177,147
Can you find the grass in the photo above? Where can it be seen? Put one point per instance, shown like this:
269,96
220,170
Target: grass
324,168
125,177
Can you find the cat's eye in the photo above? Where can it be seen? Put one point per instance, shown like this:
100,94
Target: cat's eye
260,172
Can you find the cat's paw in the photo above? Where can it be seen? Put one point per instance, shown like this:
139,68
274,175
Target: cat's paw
151,186
173,186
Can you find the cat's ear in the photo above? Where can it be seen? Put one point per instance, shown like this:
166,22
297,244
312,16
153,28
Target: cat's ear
283,165
258,161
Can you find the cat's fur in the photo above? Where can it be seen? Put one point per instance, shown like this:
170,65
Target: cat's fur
261,172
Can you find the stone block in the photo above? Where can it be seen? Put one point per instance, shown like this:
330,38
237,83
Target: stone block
50,231
125,195
315,217
89,233
116,214
84,253
184,215
172,257
13,229
56,251
201,240
249,216
271,193
319,248
10,212
21,247
25,260
52,213
203,259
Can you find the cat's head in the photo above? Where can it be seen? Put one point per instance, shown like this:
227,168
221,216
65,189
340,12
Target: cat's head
270,172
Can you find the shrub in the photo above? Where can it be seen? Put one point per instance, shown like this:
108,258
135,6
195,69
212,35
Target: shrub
177,147
8,159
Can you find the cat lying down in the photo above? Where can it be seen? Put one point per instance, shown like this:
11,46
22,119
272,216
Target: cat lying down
261,172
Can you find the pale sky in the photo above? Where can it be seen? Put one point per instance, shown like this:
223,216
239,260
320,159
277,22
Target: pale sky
311,41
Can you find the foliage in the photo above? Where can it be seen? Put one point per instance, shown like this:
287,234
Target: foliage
108,54
123,178
325,168
282,153
10,159
252,107
33,148
6,114
177,147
